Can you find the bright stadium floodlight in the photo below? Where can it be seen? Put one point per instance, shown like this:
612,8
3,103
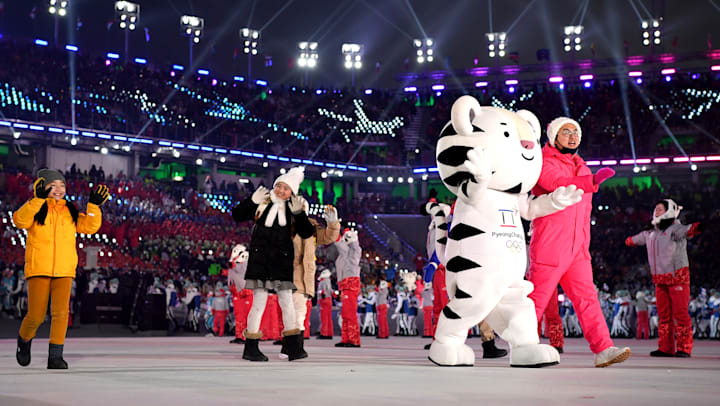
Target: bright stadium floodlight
128,13
251,44
425,50
652,31
251,40
58,7
308,54
353,58
572,40
129,16
497,44
193,28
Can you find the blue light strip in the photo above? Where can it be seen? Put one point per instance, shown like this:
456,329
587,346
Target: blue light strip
203,72
178,67
71,48
41,42
141,61
90,134
113,55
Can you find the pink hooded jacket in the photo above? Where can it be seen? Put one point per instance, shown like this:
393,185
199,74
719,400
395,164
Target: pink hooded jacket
566,232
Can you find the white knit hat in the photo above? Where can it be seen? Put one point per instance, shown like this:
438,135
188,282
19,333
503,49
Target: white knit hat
292,178
555,125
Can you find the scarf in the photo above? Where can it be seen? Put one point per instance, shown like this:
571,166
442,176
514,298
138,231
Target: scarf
277,210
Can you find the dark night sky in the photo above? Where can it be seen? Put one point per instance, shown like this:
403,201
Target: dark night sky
385,27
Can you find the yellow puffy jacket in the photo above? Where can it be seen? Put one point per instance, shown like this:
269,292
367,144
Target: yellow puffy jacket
50,249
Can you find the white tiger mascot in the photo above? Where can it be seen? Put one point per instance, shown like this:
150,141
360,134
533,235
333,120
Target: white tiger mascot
490,158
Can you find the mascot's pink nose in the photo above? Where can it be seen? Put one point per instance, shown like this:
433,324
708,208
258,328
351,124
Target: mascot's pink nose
527,144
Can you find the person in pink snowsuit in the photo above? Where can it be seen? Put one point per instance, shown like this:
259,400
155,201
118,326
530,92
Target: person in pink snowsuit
560,244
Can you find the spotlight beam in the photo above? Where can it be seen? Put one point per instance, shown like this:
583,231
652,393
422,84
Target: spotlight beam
174,8
577,14
333,23
417,21
520,16
637,13
328,20
626,110
714,5
252,12
490,15
277,14
382,16
644,8
582,16
659,119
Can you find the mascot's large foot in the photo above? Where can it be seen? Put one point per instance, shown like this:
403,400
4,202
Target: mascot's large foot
446,355
534,356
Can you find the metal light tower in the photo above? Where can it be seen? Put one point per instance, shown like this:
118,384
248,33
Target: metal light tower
573,38
58,8
308,57
129,15
353,58
497,43
425,50
193,28
251,43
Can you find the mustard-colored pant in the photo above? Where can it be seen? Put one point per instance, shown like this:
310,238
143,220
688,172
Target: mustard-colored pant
40,289
486,332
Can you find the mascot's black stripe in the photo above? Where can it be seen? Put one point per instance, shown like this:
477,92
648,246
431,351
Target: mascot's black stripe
461,294
448,130
459,264
454,156
442,241
457,178
462,231
515,189
450,314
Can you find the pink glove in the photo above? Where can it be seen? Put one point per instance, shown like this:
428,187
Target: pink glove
602,175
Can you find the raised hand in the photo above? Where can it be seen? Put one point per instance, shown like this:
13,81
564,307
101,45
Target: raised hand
602,175
39,189
260,195
297,204
331,214
478,164
99,195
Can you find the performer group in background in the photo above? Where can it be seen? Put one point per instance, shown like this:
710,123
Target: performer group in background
491,160
667,254
51,259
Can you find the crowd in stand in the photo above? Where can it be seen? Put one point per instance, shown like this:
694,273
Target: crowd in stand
137,98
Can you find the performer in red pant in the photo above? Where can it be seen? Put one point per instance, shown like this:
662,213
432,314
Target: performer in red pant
220,310
325,302
669,266
347,266
427,303
382,310
553,323
269,322
643,321
308,304
241,297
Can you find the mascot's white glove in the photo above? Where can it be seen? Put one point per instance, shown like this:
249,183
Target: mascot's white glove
564,197
478,164
260,195
394,316
297,204
331,214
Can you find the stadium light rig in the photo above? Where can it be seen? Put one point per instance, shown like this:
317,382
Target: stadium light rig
425,50
193,27
58,7
573,38
308,54
251,40
652,31
128,13
497,42
353,55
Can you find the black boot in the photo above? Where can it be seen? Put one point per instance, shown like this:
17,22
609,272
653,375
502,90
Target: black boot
293,343
491,351
277,342
23,352
55,357
427,346
559,350
658,353
682,354
237,340
251,352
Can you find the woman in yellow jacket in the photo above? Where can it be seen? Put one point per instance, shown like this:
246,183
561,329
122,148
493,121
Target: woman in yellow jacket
51,258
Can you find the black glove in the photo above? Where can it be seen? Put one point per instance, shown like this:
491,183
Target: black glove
39,188
99,195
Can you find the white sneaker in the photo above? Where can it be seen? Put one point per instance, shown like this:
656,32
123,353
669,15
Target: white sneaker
612,355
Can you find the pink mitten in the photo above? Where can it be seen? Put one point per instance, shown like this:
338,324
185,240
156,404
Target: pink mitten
602,175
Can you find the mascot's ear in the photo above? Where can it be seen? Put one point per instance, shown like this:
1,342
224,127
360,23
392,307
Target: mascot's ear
532,120
463,111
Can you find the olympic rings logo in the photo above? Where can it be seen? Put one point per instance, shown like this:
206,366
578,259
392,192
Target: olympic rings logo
514,246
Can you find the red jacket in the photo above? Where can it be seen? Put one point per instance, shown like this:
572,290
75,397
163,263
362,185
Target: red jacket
566,232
